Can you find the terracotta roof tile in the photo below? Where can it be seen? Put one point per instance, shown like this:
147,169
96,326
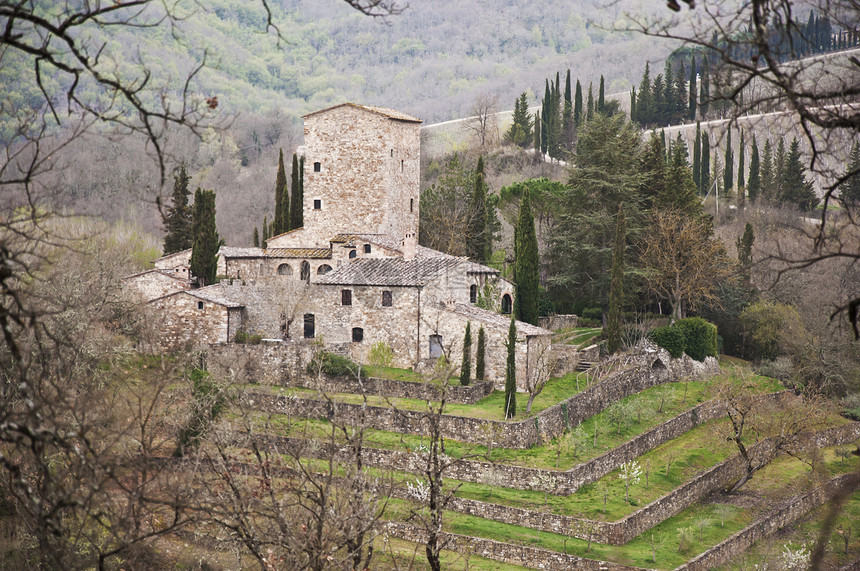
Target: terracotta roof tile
390,271
390,113
475,313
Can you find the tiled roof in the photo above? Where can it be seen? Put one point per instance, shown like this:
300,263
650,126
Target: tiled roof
185,252
390,271
390,113
475,313
164,273
473,268
311,253
384,240
213,293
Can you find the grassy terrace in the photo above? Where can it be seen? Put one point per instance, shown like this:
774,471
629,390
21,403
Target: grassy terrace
650,408
702,526
580,336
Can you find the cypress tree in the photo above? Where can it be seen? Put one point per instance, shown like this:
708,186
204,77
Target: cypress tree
545,110
754,187
705,95
266,234
645,100
633,118
768,186
691,104
526,264
616,288
778,169
697,158
177,221
279,222
794,187
302,191
577,105
296,198
204,251
705,172
590,106
849,190
477,243
480,363
741,179
601,98
728,172
567,114
511,372
744,246
537,134
466,367
256,237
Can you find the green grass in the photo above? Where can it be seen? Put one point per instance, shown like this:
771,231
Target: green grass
580,336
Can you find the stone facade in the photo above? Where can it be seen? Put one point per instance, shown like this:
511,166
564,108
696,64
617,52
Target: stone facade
187,319
153,284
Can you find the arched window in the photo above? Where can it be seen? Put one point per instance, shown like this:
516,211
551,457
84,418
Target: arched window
352,254
323,269
507,305
285,270
317,167
473,293
357,334
306,272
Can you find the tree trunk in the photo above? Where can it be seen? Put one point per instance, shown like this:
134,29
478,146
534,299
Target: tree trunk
529,404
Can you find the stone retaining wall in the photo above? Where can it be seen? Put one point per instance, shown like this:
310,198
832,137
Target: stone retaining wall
532,557
548,423
788,513
397,389
556,322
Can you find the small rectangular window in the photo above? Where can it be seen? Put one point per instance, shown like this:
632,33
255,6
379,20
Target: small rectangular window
367,248
317,167
357,334
401,165
386,298
317,204
346,297
411,205
309,326
199,305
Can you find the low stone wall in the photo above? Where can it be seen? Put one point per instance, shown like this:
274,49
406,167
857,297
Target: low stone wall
397,389
564,359
788,513
532,557
556,322
548,423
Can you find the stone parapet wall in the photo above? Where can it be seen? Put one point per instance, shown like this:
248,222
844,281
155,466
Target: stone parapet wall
397,389
556,322
532,557
788,513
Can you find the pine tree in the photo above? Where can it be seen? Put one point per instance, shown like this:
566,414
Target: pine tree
754,186
794,187
477,243
705,172
279,222
511,372
204,251
256,237
680,191
728,172
577,106
616,288
768,180
177,221
480,357
601,98
466,366
589,115
296,198
697,158
526,264
849,190
693,96
741,180
520,132
645,100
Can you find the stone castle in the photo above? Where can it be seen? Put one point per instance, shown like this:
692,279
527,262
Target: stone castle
353,275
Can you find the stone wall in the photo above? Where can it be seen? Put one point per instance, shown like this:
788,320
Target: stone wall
521,434
556,322
269,363
786,514
182,323
532,557
397,389
152,284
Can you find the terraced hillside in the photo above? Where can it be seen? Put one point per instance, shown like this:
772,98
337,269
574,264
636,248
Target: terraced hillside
628,469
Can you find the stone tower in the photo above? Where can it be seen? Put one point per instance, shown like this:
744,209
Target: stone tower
361,172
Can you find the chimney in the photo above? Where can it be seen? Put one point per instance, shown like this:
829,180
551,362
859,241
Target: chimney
409,244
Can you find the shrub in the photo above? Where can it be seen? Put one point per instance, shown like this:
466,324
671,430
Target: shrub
332,364
593,313
240,337
700,337
381,354
255,339
670,338
780,368
770,330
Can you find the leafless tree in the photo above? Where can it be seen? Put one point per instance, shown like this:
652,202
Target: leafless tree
540,369
483,123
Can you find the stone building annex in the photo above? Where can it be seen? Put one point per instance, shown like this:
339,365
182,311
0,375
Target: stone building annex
354,274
